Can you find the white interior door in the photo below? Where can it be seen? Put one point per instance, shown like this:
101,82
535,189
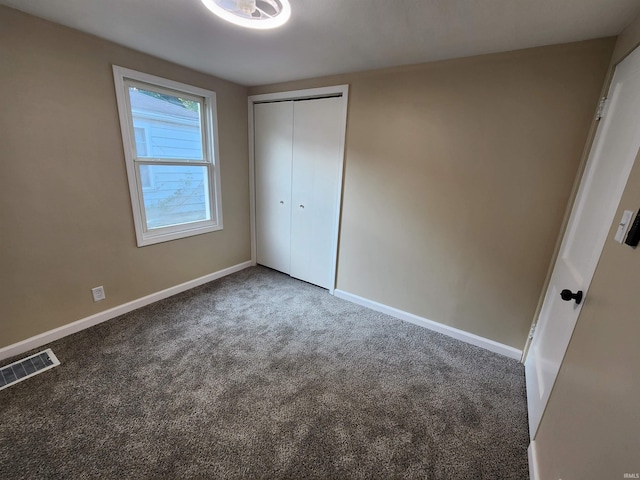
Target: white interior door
317,135
609,164
273,137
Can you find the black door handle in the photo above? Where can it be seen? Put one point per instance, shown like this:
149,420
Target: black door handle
568,295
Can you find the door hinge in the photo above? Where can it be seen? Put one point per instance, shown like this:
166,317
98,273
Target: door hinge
533,329
601,107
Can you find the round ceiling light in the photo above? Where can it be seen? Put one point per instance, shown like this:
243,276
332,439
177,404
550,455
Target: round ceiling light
261,14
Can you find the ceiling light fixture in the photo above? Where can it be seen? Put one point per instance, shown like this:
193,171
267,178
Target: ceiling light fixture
261,14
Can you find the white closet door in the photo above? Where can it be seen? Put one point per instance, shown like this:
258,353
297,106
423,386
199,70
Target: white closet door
315,188
273,127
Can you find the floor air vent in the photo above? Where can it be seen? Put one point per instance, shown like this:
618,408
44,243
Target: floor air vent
27,367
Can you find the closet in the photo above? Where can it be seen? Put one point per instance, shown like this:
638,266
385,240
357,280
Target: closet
297,155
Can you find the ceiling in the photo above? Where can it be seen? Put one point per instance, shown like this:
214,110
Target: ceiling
326,37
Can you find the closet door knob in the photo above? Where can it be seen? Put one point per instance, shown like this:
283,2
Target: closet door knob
282,202
301,206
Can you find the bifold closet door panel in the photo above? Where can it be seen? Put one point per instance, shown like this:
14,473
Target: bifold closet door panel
315,188
273,137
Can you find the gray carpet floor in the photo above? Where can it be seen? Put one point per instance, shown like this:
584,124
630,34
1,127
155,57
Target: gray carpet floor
258,375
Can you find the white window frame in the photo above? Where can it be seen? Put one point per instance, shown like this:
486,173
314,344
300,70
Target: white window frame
209,128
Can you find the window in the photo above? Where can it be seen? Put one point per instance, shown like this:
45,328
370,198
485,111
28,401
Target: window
169,133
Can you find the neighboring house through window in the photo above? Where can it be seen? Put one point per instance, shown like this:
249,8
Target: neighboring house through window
170,140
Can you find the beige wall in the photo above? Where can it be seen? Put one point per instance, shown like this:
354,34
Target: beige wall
65,215
457,175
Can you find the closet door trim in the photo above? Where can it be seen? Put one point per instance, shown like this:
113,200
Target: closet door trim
341,91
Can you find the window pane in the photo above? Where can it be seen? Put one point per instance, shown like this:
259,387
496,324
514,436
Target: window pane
180,195
172,125
141,141
145,176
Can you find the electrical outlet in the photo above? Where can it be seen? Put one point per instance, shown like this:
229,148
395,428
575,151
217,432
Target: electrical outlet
98,293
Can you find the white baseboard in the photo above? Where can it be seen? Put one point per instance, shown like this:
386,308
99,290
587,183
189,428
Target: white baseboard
533,461
467,337
57,333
